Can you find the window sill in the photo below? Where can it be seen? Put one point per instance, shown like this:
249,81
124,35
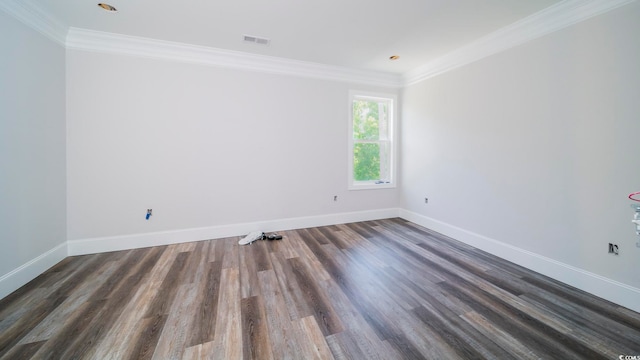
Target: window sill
371,186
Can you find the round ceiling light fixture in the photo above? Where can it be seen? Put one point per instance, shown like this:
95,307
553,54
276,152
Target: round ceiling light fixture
394,57
107,7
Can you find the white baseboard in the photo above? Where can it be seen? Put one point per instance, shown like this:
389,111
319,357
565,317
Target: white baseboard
614,291
133,241
13,280
601,286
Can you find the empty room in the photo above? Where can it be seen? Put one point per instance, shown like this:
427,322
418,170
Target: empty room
417,179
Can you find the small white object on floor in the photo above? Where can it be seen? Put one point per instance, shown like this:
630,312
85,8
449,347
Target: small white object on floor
253,236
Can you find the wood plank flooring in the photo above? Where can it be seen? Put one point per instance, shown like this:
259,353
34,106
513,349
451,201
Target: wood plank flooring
386,289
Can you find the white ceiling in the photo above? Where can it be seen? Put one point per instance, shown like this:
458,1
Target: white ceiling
359,34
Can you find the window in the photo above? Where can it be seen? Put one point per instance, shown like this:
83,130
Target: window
371,141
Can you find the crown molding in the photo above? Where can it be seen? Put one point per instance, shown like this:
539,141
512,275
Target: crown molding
548,20
103,42
33,16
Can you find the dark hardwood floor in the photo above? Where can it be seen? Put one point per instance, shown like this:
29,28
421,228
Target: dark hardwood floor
385,289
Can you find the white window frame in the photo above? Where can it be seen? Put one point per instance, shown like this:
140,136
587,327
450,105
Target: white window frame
392,128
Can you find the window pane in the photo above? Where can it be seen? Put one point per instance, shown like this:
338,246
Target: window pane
385,161
366,162
369,120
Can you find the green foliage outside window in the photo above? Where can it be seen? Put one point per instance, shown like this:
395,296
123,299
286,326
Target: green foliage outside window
366,162
366,125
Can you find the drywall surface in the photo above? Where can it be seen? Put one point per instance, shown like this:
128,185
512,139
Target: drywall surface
536,147
32,145
202,146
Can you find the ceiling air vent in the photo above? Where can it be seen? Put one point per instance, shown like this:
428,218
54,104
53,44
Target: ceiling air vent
256,40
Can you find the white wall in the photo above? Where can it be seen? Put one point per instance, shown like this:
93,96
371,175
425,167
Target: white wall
202,146
32,153
536,147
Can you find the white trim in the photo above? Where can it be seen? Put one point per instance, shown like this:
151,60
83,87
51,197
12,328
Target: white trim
595,284
601,286
133,241
16,278
34,17
103,42
548,20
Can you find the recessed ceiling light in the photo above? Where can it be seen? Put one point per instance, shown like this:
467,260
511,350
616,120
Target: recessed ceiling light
394,57
107,7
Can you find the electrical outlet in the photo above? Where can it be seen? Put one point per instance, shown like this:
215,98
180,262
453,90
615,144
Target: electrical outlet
335,197
613,249
426,200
